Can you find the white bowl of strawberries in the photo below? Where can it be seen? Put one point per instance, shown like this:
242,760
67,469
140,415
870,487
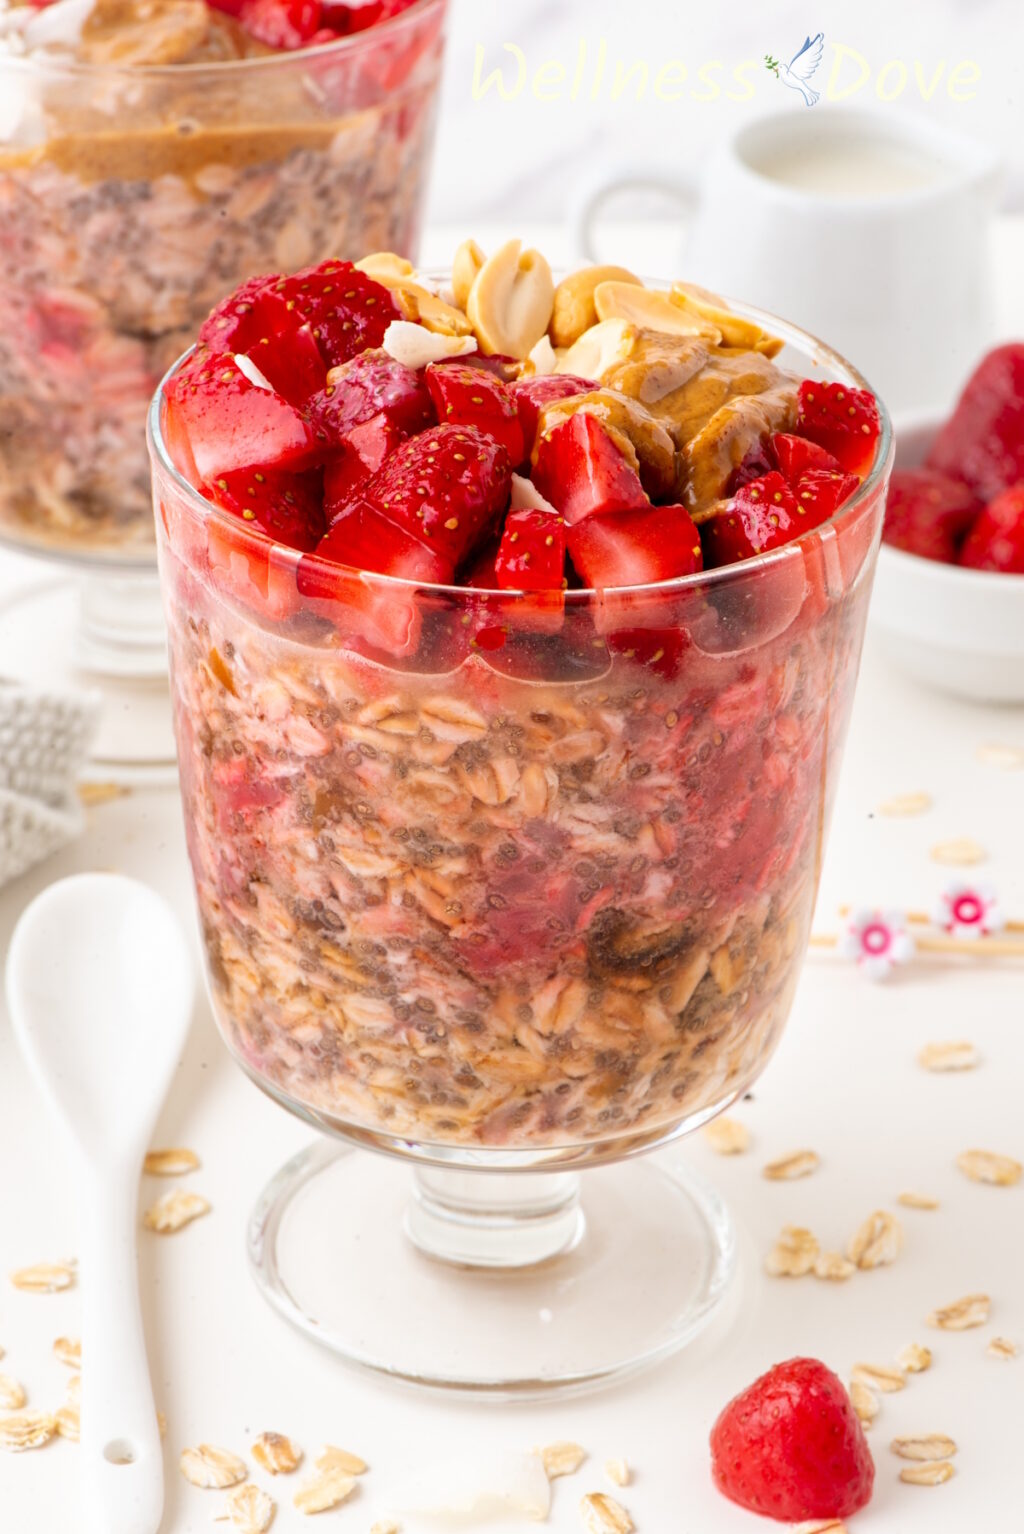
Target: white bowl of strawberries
949,590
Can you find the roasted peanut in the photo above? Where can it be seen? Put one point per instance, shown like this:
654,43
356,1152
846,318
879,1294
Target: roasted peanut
574,310
510,302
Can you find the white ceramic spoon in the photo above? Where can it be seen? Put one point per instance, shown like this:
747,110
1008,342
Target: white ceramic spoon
100,985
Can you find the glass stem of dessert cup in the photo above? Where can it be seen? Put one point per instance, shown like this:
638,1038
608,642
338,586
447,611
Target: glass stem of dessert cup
495,1221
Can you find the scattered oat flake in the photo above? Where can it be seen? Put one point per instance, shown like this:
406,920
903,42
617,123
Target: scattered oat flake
276,1453
912,1200
914,1358
819,1526
799,1164
794,1253
12,1394
44,1277
101,793
73,1393
957,1055
562,1459
727,1137
960,852
211,1467
902,805
864,1402
986,1166
927,1474
331,1459
250,1509
68,1350
994,754
385,1526
68,1423
932,1446
174,1211
833,1266
170,1163
617,1472
324,1492
601,1514
1002,1347
878,1377
26,1430
963,1314
877,1241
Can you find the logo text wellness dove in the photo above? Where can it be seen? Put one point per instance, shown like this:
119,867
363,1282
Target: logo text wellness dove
594,74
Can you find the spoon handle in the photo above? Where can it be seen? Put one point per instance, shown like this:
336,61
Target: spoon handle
121,1453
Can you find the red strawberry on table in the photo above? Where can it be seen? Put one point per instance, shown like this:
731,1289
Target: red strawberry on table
791,1447
844,421
347,311
471,396
579,468
531,556
795,455
996,541
982,443
229,423
287,507
636,547
928,513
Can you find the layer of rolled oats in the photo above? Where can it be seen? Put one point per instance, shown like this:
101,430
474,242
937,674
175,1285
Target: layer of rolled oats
115,242
475,909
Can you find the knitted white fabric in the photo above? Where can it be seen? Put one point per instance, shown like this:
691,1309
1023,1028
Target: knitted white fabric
44,738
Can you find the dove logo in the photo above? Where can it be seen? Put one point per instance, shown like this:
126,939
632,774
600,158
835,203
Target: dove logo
801,69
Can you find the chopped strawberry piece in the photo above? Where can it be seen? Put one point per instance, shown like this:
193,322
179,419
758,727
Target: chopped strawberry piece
371,385
532,552
929,514
758,462
257,322
767,512
230,423
819,494
283,24
844,421
532,395
258,573
445,486
661,650
580,470
982,443
470,396
791,1447
364,450
636,547
287,507
795,455
347,310
344,16
385,615
996,541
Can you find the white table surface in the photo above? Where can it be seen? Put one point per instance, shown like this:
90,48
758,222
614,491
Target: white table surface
844,1082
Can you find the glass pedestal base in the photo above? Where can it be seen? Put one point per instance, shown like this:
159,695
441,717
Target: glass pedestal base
501,1285
103,634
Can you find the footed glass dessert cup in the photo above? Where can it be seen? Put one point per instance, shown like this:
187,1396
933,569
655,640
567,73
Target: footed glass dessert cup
132,196
513,899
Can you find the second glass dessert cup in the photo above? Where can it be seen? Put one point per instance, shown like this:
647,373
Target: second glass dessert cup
132,197
511,889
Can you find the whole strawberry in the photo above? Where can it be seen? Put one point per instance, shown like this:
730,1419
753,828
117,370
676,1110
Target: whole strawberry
791,1447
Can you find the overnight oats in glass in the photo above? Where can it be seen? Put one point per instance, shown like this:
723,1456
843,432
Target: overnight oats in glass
512,657
154,154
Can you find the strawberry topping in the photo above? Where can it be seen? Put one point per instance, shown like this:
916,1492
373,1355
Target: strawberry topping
795,455
532,552
844,421
532,395
791,1447
579,468
636,547
370,385
347,310
287,507
472,396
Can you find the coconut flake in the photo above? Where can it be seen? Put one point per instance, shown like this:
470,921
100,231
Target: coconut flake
463,1494
414,346
544,358
526,496
249,370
